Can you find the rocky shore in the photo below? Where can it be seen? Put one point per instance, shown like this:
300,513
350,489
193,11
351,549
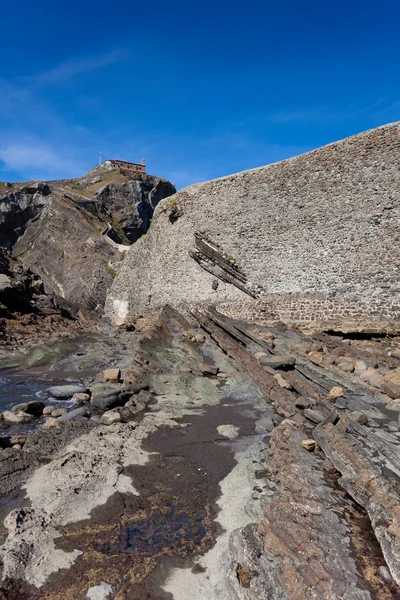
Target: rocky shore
206,458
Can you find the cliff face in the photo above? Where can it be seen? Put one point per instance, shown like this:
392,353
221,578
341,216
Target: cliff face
61,230
310,238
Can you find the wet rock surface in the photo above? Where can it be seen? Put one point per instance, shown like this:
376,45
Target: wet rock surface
200,486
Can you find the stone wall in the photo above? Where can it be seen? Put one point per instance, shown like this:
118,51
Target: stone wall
311,237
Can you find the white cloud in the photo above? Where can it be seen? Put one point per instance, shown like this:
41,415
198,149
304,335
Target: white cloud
75,66
37,160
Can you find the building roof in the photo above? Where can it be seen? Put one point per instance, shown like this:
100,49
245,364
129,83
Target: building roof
127,162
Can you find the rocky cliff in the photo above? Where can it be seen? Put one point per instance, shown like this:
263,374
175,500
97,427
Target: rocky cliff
73,233
313,238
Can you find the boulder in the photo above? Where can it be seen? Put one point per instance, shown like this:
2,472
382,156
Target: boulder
34,407
84,411
112,375
395,353
391,384
277,362
110,417
64,392
110,395
282,382
48,410
17,418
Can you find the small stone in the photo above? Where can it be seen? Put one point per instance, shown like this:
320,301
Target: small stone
345,365
208,369
395,353
199,337
282,382
391,384
103,591
359,367
229,431
373,377
111,375
337,352
48,410
18,439
17,447
224,375
59,412
385,574
302,402
310,445
315,416
359,417
258,355
336,392
277,362
110,417
81,397
317,357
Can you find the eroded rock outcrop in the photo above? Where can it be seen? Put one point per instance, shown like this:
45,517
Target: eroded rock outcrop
63,231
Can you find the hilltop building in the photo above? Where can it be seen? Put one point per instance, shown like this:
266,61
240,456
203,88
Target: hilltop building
127,166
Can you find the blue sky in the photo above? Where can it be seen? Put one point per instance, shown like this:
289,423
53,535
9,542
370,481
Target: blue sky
199,89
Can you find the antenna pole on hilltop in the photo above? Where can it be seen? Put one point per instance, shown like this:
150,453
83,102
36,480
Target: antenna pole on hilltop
100,158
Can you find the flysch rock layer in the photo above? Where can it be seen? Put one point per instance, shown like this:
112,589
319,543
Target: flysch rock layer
312,238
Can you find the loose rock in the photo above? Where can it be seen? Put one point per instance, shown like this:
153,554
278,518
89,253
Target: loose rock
282,382
110,417
111,375
278,362
391,384
310,445
336,392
